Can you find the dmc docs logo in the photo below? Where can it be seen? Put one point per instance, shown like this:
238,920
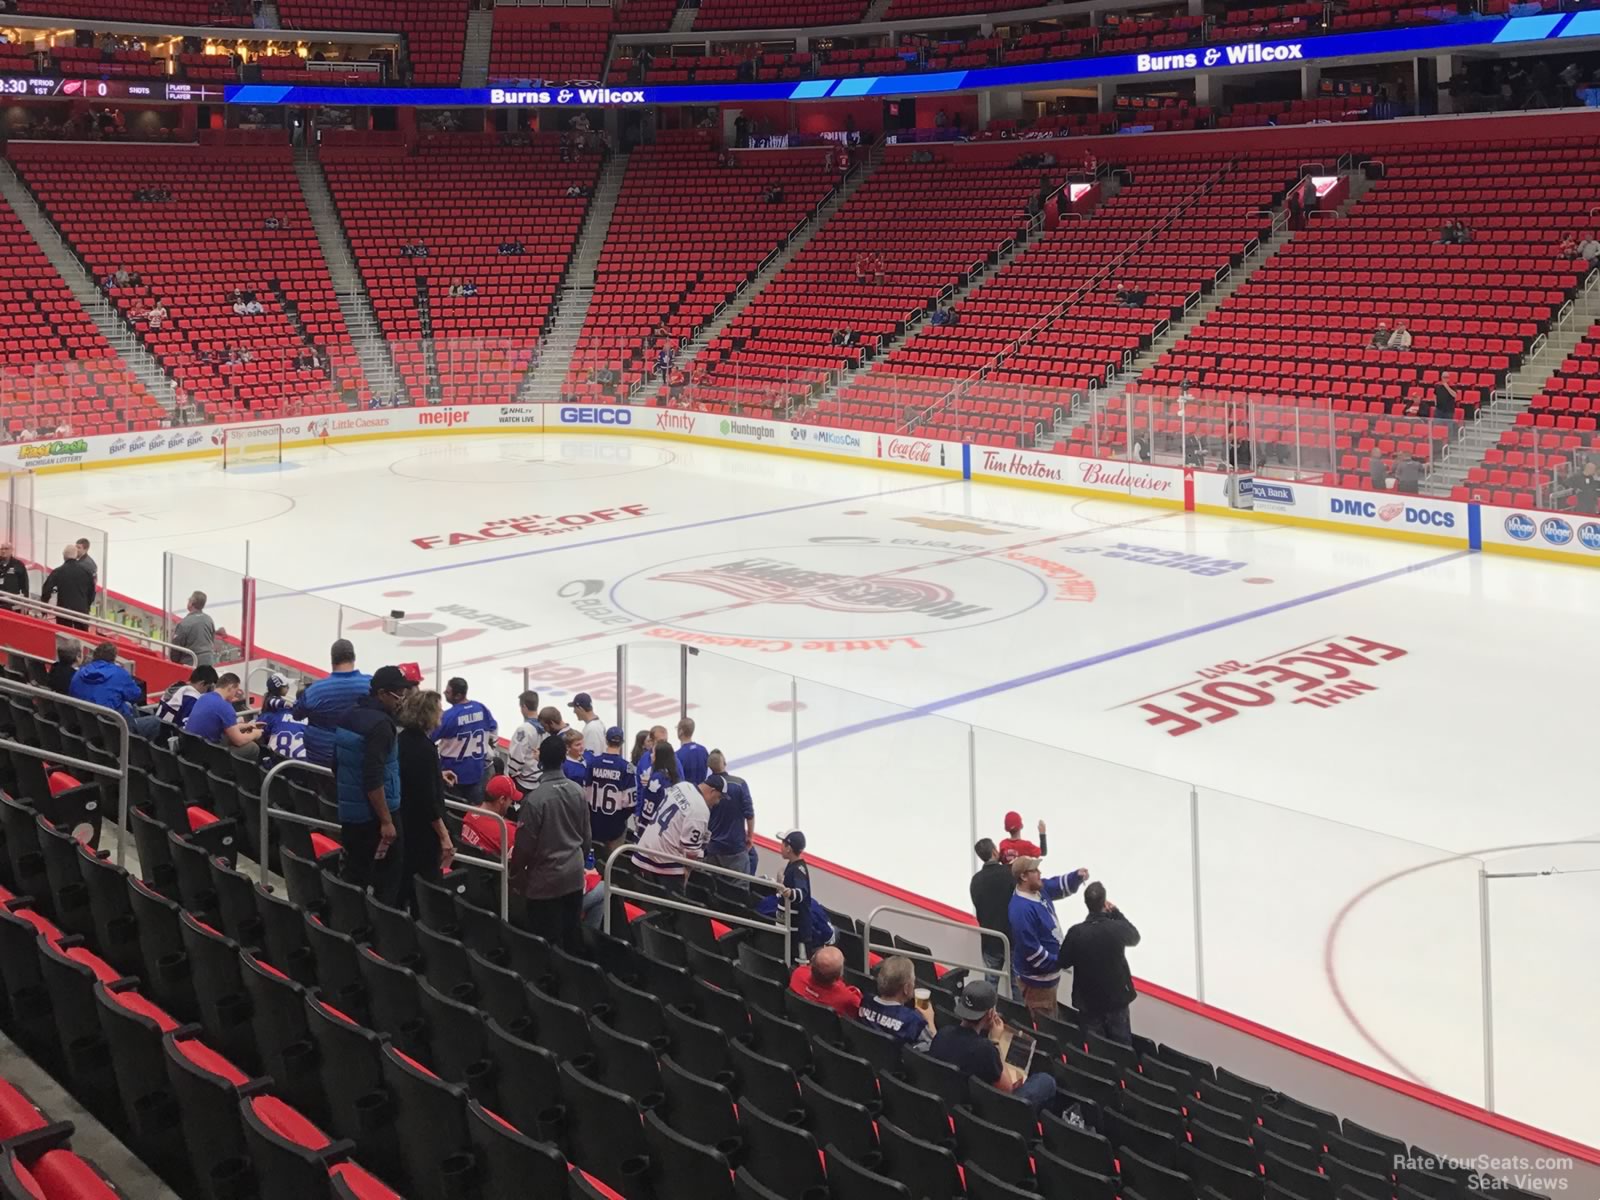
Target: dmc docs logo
1272,493
911,450
1589,535
442,418
1556,530
1406,514
748,429
584,415
1520,527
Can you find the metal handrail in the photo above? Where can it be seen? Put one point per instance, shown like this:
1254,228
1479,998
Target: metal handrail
503,866
784,927
97,624
283,814
1005,958
100,711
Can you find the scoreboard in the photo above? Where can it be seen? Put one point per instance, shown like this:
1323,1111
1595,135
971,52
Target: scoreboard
42,88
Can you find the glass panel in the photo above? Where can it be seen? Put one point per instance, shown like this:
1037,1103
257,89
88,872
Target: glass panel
1128,827
746,710
224,589
1310,924
1538,900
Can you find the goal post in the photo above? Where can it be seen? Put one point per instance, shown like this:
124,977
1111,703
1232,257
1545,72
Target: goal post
251,445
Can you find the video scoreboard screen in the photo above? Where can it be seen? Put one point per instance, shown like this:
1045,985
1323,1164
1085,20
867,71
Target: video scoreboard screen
40,88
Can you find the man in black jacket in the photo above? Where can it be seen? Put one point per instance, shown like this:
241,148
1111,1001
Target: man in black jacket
1096,950
13,573
991,890
71,586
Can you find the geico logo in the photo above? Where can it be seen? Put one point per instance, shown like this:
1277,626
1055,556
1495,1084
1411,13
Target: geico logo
596,416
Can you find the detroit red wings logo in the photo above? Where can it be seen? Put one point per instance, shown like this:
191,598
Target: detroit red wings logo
773,581
1390,511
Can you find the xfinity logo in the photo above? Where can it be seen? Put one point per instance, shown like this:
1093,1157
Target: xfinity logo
1245,54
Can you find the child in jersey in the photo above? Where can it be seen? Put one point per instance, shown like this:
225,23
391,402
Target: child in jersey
610,789
1014,845
282,736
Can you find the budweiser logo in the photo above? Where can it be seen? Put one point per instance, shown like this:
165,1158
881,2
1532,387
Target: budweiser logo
681,421
1117,475
904,451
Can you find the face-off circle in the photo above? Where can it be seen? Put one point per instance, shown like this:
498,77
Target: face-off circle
829,592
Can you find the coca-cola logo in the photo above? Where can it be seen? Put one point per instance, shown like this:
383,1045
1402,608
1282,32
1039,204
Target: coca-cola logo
903,451
1117,475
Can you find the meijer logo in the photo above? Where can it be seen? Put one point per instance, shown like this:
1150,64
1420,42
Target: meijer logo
446,417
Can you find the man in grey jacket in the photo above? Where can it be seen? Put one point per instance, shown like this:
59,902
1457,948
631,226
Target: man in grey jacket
197,632
547,858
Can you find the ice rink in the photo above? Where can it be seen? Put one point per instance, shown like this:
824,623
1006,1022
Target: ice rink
1301,762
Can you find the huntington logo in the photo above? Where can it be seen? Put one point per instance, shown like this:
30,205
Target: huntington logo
748,429
776,581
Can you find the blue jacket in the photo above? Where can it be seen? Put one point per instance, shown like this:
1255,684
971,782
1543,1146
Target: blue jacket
1036,933
728,819
323,705
366,753
107,684
692,762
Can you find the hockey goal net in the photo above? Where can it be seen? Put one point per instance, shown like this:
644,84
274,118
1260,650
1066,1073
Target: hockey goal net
248,445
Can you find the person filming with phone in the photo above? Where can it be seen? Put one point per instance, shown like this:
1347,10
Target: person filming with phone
973,1047
1096,950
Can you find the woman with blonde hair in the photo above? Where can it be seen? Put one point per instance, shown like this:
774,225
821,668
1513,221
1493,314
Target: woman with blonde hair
428,850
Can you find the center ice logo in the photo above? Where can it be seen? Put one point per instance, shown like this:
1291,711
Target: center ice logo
773,581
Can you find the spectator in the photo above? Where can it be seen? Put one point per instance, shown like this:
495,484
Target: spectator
1380,336
272,223
1455,233
427,848
878,269
1588,248
214,719
1400,339
69,657
679,830
991,890
970,1046
366,772
197,632
522,759
691,754
156,316
512,246
1445,397
775,194
893,1010
327,701
643,743
281,737
87,562
13,573
821,981
174,707
732,832
655,779
1096,950
463,739
1583,487
123,277
1035,931
810,920
861,267
106,682
1377,471
594,731
479,831
575,766
1407,474
70,587
1015,845
611,788
547,858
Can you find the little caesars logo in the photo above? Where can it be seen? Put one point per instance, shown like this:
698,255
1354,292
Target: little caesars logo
746,429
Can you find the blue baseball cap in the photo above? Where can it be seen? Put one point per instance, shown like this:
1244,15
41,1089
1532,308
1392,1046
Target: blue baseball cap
615,736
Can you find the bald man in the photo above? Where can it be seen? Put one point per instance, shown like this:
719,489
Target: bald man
821,981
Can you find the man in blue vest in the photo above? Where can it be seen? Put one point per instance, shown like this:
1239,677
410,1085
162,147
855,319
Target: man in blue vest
366,774
323,704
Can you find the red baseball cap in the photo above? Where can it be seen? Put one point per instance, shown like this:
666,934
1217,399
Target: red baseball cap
500,787
1013,822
